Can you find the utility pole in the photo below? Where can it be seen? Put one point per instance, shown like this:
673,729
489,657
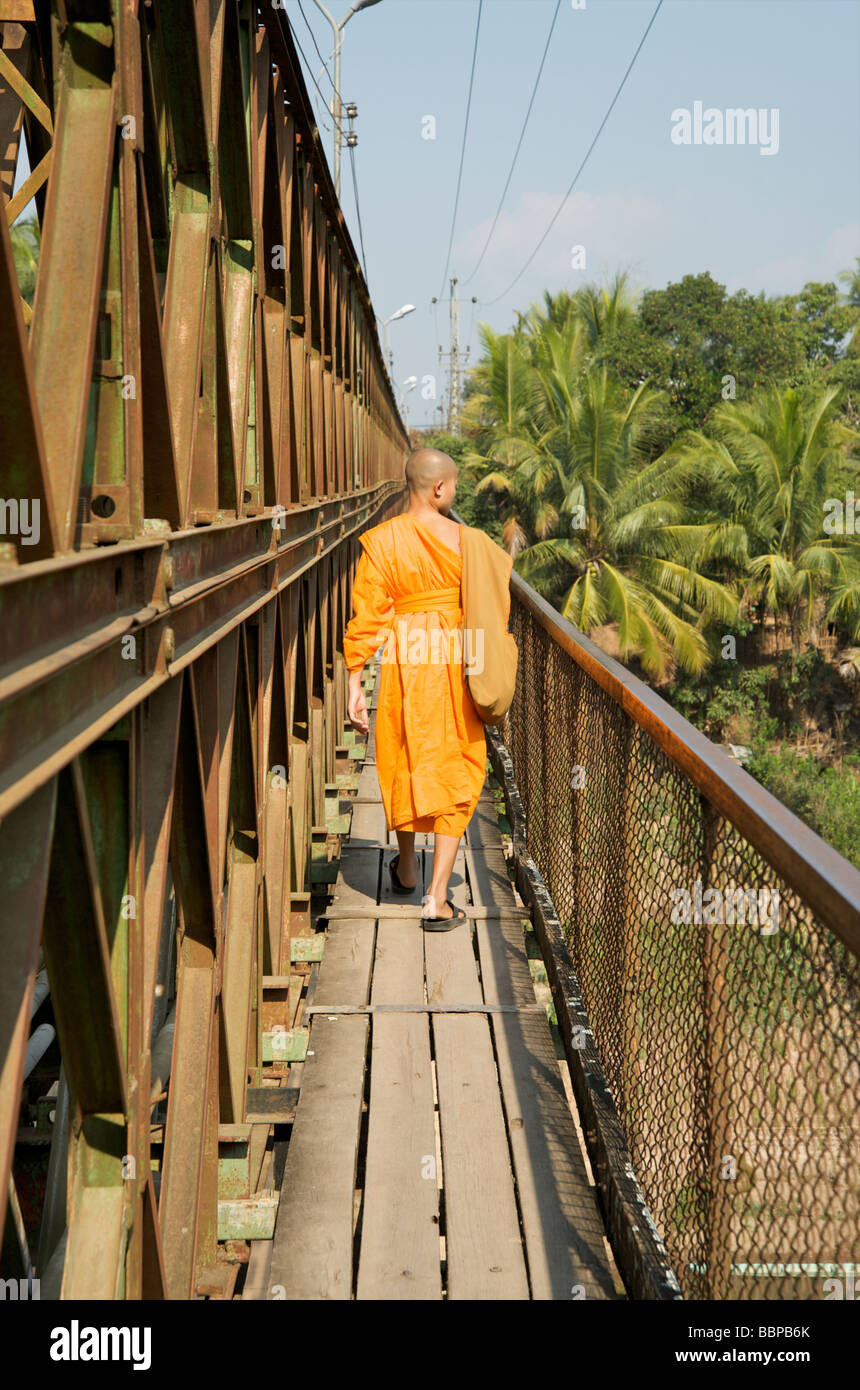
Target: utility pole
454,392
455,368
337,29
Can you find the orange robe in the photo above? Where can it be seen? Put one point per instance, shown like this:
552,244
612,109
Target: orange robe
430,746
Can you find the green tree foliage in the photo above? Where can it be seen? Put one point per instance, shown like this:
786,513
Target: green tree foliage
602,531
664,467
26,244
767,469
702,346
622,513
826,798
820,320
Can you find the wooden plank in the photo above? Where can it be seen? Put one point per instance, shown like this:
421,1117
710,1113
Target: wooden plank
560,1219
386,891
428,1009
561,1222
313,1242
488,878
367,826
483,828
368,784
257,1155
484,1254
344,976
307,948
271,1105
358,877
400,1251
256,1284
406,908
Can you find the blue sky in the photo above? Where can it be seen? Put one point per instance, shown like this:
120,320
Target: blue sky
643,203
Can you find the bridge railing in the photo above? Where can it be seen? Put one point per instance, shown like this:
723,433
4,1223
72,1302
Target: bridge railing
714,943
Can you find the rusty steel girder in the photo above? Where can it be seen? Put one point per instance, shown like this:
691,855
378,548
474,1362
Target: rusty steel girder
195,424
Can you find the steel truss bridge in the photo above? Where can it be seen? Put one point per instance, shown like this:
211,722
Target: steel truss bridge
195,425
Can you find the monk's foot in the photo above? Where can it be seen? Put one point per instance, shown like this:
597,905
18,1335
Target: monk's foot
407,870
432,911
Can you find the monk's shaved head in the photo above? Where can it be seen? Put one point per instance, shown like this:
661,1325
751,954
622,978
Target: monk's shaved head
428,466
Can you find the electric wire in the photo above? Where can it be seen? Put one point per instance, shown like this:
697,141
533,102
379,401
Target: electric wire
558,210
310,71
463,147
323,60
358,215
519,143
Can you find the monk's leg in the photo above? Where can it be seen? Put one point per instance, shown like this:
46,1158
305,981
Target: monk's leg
407,864
444,853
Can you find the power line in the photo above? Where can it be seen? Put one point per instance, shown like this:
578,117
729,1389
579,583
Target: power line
358,215
324,62
488,302
463,149
519,142
335,122
316,45
310,69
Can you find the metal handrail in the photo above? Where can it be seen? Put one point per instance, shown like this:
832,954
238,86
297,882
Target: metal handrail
817,871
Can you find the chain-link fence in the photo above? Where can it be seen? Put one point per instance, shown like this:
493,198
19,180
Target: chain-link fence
712,935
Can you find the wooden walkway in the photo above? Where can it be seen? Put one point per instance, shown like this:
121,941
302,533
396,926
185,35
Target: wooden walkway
433,1153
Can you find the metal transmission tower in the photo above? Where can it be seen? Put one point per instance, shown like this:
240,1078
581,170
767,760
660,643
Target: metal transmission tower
454,364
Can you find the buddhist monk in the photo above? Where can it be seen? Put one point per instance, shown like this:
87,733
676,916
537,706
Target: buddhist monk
430,748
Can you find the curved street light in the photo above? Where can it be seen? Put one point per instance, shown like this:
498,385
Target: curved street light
338,27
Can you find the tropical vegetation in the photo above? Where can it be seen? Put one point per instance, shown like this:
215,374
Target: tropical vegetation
678,472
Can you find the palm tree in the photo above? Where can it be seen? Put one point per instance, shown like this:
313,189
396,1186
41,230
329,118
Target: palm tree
767,468
602,311
604,534
498,415
625,546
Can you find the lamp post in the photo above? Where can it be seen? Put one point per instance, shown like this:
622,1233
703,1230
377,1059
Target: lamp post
338,28
399,314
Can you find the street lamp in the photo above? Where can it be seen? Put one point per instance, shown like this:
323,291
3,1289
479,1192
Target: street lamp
399,314
335,101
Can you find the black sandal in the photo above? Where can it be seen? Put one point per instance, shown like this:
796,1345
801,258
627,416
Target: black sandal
396,885
444,923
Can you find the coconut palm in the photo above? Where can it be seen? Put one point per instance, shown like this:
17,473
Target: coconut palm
624,547
603,533
506,416
602,311
767,468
